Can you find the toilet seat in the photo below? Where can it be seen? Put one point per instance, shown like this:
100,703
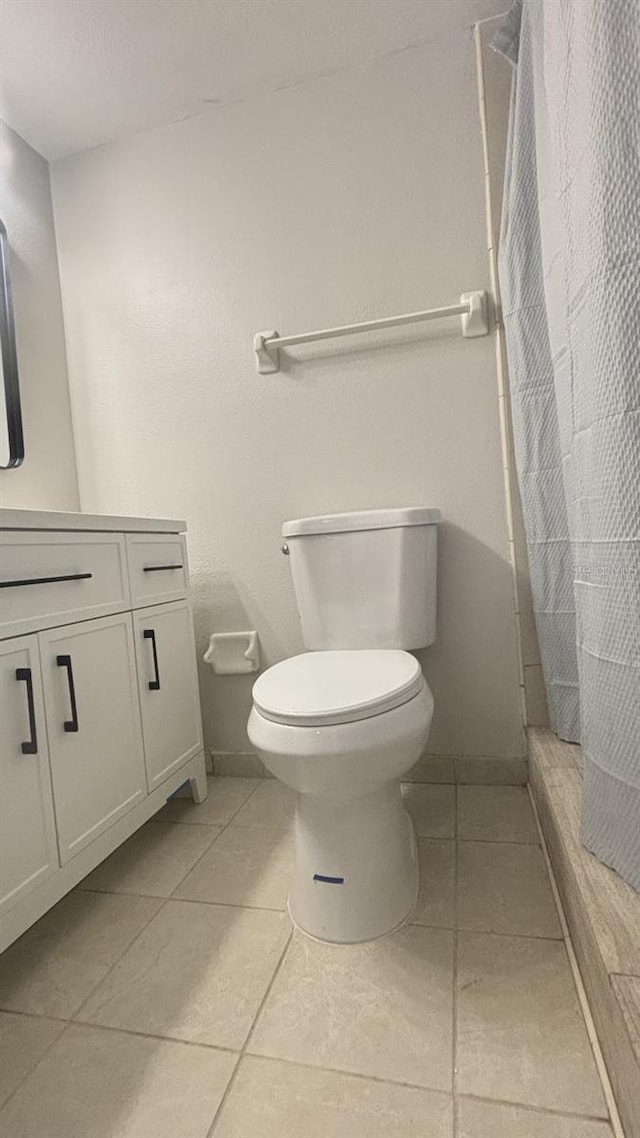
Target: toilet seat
318,689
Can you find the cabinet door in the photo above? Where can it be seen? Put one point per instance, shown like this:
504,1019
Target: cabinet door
28,853
93,723
168,686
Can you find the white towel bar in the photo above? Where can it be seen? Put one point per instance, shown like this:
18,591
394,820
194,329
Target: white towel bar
472,308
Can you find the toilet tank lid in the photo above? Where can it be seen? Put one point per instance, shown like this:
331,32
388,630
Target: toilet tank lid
361,520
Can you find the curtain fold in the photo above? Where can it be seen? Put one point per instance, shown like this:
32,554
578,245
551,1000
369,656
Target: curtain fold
570,286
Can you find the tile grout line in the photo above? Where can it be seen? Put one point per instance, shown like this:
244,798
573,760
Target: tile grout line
243,1050
34,1015
269,987
496,842
46,1051
454,992
177,822
223,829
546,1110
136,1033
163,903
270,909
87,1025
503,935
538,1109
245,1053
607,1089
348,1074
187,900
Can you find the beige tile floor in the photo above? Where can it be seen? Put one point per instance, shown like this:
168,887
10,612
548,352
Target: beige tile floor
168,998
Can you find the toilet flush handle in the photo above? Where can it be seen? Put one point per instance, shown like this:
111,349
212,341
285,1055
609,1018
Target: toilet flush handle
285,549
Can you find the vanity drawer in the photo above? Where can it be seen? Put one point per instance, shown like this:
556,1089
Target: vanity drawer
158,569
49,579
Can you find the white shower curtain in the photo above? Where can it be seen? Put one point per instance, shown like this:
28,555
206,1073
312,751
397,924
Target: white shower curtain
570,285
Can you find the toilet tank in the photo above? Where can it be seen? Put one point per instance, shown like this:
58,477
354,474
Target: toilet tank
365,579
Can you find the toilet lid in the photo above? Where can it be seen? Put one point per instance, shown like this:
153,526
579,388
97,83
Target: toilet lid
321,688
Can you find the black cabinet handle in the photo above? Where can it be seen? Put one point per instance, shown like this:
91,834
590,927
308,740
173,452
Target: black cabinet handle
149,634
65,662
160,568
45,580
31,746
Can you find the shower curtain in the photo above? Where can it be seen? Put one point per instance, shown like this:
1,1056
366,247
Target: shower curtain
570,288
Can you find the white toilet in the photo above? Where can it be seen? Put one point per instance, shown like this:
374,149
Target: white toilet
341,723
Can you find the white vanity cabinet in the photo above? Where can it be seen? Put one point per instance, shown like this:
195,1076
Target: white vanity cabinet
28,850
99,714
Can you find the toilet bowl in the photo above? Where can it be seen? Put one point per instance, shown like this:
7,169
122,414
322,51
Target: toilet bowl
343,722
341,728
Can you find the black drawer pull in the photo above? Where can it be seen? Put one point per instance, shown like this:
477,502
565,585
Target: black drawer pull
149,634
65,662
160,568
31,746
45,580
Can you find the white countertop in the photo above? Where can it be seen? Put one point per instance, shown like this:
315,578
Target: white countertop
56,520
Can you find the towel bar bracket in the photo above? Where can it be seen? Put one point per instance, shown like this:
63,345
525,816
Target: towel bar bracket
475,322
267,355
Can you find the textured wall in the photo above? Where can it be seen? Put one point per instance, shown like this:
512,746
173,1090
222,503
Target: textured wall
349,197
47,479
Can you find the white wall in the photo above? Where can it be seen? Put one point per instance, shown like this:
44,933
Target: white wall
353,196
47,478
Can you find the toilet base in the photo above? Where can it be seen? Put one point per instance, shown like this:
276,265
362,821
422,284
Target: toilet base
356,866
